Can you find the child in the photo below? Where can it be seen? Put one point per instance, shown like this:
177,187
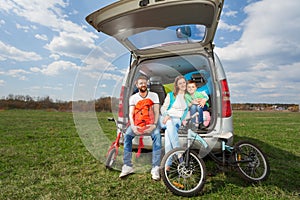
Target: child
197,102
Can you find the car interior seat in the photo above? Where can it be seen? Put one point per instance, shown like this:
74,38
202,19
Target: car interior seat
157,87
198,78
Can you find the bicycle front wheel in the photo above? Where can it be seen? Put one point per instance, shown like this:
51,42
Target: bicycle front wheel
252,163
111,158
183,174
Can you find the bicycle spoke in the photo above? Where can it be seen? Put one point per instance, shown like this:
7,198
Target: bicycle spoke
251,162
183,177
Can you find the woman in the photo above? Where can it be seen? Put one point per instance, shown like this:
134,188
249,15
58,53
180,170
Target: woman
173,112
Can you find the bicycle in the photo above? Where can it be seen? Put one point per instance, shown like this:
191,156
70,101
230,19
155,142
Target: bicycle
113,152
113,149
186,175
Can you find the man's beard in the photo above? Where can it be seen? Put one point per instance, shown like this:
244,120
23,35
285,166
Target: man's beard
143,89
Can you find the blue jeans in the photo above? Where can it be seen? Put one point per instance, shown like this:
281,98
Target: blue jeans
195,108
156,146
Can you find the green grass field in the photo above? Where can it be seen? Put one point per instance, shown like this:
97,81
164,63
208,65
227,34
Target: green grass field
42,157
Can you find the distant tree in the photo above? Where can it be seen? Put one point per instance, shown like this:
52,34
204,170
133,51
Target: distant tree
28,98
10,97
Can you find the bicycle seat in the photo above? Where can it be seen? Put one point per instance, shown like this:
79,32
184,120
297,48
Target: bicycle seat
224,136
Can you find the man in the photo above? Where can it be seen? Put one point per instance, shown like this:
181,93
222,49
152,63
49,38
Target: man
133,130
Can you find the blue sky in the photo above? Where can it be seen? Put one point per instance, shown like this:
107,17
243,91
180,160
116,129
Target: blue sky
45,47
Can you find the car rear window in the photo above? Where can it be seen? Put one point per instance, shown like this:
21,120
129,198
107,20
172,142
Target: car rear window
168,36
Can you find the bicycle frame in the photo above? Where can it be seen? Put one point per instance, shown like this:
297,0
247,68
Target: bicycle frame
192,137
115,144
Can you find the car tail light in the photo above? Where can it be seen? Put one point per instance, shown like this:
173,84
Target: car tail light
226,105
121,102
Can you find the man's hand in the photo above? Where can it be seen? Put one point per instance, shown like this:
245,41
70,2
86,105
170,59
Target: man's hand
136,130
149,128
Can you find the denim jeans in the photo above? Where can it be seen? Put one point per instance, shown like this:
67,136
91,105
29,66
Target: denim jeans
156,146
195,108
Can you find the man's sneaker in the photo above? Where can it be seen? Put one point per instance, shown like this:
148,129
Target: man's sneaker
155,173
126,170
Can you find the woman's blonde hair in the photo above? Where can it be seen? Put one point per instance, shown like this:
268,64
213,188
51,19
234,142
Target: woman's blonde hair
176,88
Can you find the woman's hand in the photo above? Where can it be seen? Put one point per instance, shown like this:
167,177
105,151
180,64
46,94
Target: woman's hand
201,102
166,118
195,101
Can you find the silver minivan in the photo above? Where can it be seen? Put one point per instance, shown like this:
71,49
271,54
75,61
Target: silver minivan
167,38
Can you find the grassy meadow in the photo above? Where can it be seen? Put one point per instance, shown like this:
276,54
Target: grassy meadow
42,157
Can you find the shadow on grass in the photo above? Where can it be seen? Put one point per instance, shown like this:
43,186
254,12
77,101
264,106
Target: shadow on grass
284,170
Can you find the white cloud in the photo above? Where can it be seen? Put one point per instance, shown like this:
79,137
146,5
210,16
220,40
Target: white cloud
101,86
35,88
224,26
52,88
2,58
54,56
51,14
10,52
18,73
261,83
33,27
2,82
100,63
74,12
2,22
15,72
71,44
55,68
269,33
264,64
35,10
41,37
92,63
230,13
25,28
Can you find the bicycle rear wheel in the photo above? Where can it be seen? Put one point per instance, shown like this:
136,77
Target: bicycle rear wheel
182,177
252,163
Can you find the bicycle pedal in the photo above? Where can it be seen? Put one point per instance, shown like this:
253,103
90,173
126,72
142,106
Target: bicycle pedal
239,158
178,185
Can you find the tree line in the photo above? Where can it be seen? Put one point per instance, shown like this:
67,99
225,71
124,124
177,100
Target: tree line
106,103
46,103
266,107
